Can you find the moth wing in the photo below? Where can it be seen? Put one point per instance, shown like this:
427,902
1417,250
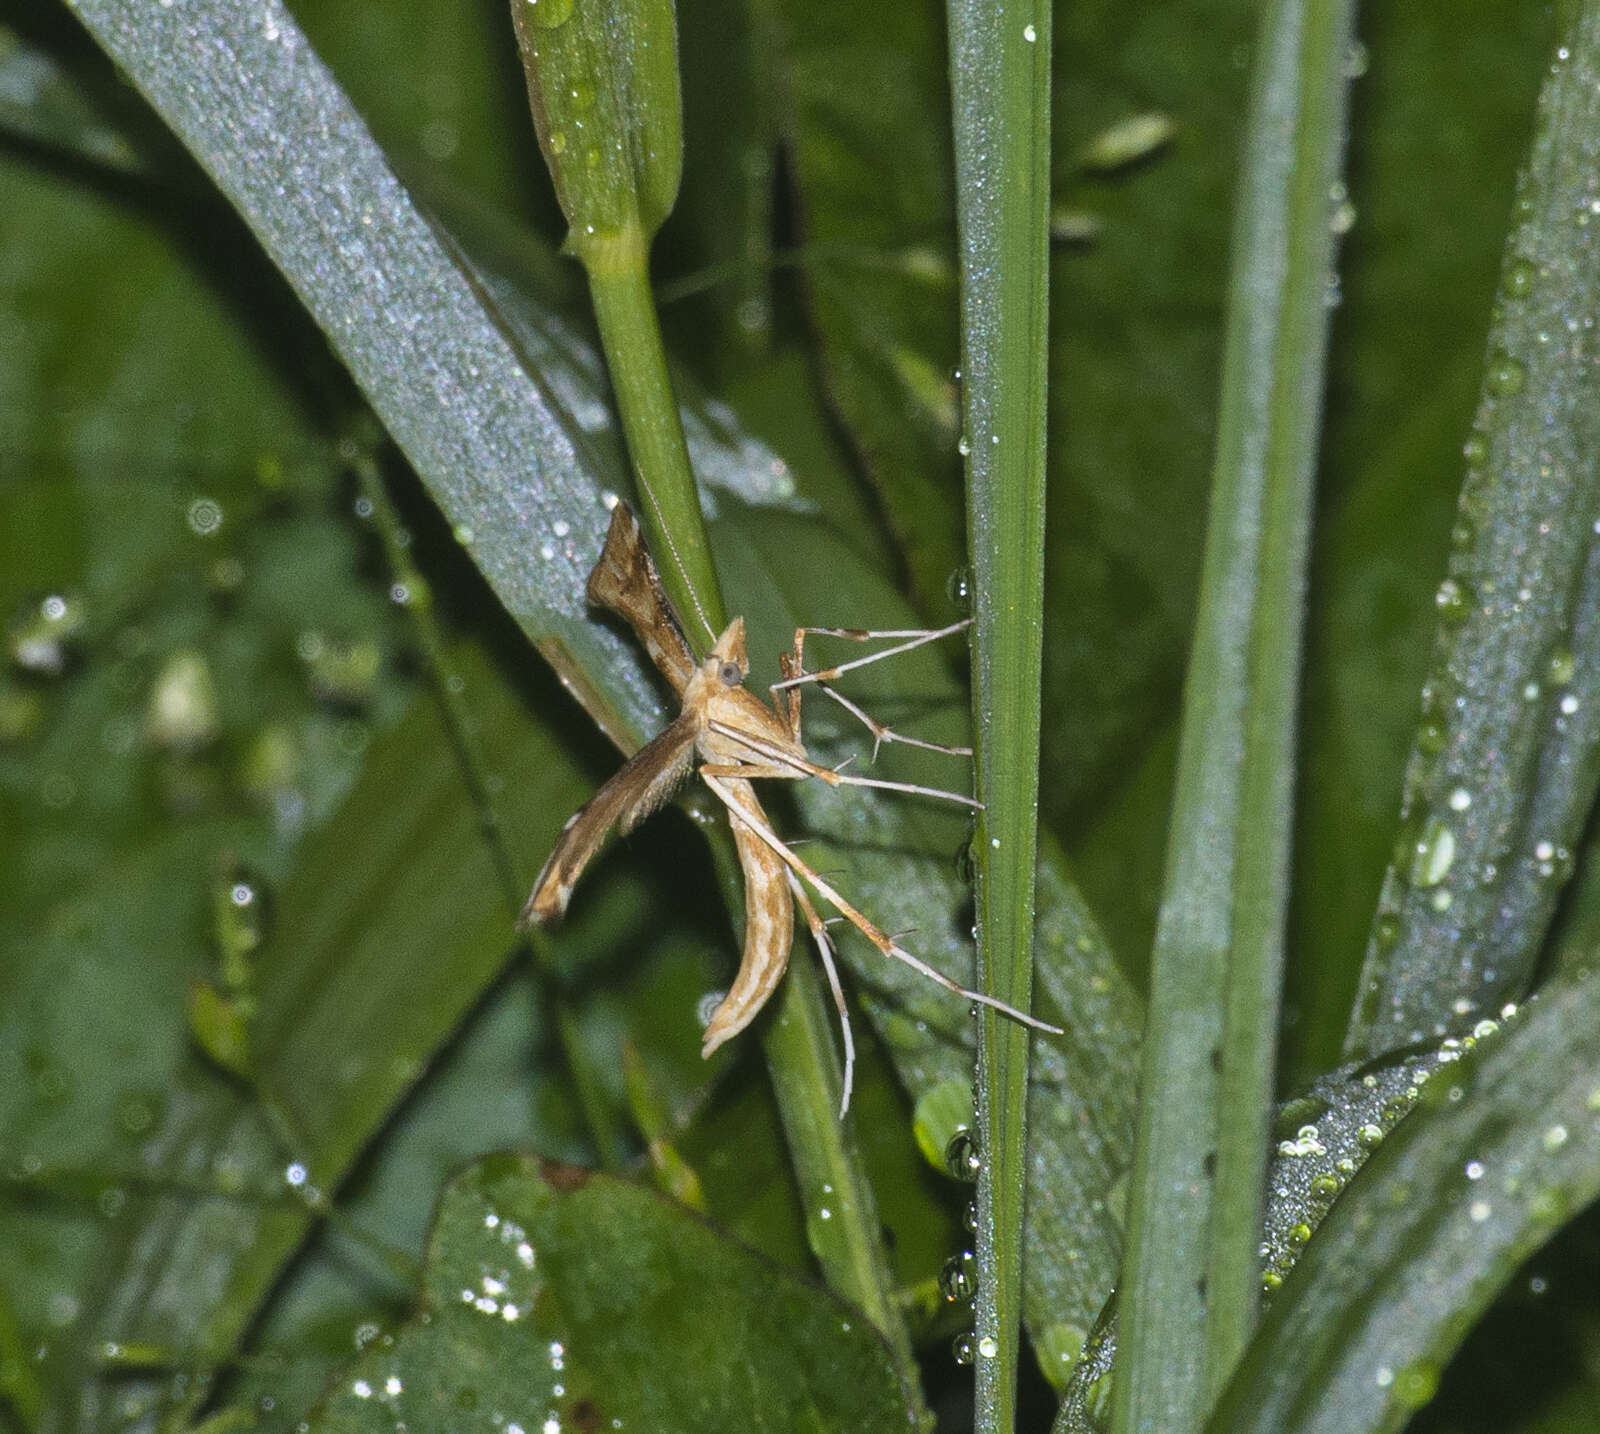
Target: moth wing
644,781
626,581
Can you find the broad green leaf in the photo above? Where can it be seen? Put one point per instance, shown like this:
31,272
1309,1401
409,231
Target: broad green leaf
164,473
554,1295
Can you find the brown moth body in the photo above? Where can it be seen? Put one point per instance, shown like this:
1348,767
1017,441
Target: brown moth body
714,701
736,738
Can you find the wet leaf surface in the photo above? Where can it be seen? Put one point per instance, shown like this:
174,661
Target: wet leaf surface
553,1294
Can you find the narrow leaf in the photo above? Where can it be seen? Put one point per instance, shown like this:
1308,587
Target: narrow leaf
1502,1151
1190,1288
1000,78
1503,772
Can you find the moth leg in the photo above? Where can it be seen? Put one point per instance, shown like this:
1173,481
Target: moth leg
753,817
795,676
786,702
824,943
771,762
881,733
913,637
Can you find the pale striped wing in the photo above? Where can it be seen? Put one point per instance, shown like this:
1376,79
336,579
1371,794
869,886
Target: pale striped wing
644,781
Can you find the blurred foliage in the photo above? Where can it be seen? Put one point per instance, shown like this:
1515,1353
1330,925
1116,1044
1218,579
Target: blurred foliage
175,455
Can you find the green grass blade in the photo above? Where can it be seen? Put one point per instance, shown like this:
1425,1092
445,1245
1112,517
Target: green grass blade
1000,77
1503,773
609,75
245,92
1217,964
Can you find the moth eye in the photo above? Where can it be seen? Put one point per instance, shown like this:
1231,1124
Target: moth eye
731,676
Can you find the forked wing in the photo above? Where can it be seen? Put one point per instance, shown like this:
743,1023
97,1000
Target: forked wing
645,780
625,580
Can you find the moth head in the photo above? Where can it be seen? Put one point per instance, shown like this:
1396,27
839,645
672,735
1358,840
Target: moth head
728,662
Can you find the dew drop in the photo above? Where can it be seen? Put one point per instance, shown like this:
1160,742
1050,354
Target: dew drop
1519,278
1453,601
1415,1385
1476,449
961,1156
958,1279
958,587
182,713
548,14
38,638
962,1348
204,516
1506,375
943,1110
1434,852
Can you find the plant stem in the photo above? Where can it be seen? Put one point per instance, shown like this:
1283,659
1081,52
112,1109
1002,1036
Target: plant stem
1000,79
847,1241
804,1066
619,283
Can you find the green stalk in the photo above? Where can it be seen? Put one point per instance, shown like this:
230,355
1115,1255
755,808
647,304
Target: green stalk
630,334
842,1224
1000,83
803,1063
603,88
1190,1286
